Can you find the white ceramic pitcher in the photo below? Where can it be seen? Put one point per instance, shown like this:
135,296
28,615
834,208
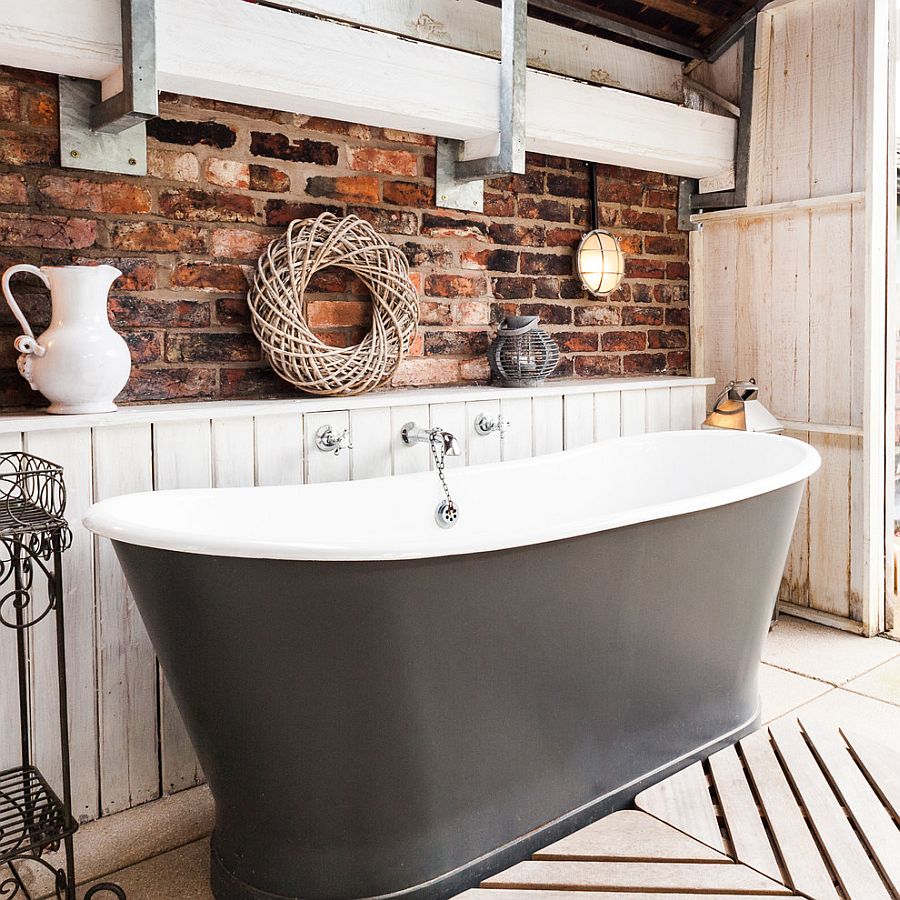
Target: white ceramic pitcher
79,363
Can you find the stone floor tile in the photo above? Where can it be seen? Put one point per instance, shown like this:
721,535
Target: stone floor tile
827,654
882,683
782,691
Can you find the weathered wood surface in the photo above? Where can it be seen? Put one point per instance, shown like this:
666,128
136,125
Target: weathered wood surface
796,810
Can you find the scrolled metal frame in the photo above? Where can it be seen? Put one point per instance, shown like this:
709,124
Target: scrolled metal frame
33,536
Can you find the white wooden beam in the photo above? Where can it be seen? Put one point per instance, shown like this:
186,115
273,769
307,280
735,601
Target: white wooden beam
247,53
474,27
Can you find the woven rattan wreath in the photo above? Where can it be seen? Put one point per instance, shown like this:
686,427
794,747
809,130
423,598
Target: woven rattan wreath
278,305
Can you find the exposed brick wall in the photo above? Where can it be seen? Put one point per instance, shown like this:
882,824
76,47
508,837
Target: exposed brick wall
224,180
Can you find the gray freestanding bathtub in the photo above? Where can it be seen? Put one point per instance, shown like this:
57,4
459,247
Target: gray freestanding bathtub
384,707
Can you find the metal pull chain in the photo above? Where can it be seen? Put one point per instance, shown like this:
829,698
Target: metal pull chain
446,513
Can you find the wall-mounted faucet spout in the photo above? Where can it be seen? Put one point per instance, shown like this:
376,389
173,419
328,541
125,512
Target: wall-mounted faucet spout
442,445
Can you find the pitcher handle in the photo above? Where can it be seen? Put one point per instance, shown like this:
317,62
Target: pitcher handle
27,342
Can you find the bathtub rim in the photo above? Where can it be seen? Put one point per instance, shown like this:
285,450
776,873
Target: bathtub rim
112,519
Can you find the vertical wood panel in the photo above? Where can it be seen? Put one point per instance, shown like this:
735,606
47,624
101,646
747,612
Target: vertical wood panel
829,526
634,412
416,458
322,465
126,666
719,302
658,411
370,431
547,415
517,442
681,403
232,453
482,448
182,458
795,581
10,747
71,450
578,420
279,449
700,407
607,415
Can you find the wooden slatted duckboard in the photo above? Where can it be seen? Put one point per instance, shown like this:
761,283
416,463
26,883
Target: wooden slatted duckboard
797,809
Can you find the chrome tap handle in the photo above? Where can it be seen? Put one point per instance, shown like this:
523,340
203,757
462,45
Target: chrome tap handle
329,441
485,425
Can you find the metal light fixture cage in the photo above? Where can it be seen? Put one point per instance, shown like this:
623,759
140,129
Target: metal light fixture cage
522,354
600,262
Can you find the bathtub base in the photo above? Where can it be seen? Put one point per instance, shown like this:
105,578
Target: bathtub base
227,886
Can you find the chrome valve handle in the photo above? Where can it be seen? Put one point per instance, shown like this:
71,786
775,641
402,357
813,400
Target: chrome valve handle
485,426
329,441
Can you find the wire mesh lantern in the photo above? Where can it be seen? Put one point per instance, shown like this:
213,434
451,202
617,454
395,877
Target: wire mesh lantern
522,354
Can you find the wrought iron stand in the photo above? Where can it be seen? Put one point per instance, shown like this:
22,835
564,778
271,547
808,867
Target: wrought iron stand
33,533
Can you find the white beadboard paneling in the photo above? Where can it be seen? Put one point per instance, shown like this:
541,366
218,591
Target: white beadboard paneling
279,449
658,412
681,409
483,448
370,430
607,416
547,416
232,452
634,412
414,458
71,450
129,740
326,465
700,410
517,441
452,417
578,420
10,746
174,468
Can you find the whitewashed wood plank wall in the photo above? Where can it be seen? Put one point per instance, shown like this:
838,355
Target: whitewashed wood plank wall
128,742
787,289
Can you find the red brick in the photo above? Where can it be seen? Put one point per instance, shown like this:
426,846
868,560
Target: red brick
408,193
229,173
599,365
427,370
387,221
445,226
144,346
280,146
677,271
338,313
546,264
576,341
407,137
635,267
356,189
9,103
266,178
455,286
678,362
431,313
12,189
548,313
19,148
172,165
385,162
159,237
492,260
334,126
210,277
548,210
475,370
512,288
644,363
564,237
501,205
209,134
672,293
41,110
182,383
232,311
678,316
149,312
137,274
669,339
204,206
253,383
567,186
623,192
52,232
631,244
472,312
642,220
661,199
94,196
665,246
211,346
598,314
283,212
624,340
427,254
642,315
517,235
456,343
239,243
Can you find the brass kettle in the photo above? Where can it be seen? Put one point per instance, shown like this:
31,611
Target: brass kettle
738,409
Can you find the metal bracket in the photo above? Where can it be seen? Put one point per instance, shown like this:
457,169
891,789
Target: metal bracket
109,135
459,182
689,201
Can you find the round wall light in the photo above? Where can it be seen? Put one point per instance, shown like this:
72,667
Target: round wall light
600,262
